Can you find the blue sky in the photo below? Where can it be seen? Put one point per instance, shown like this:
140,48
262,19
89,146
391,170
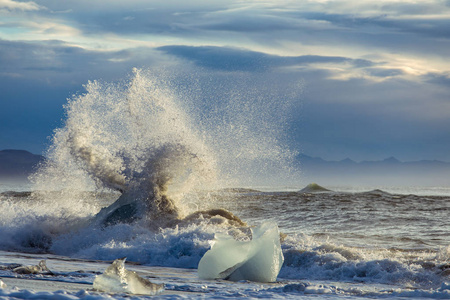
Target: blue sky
374,75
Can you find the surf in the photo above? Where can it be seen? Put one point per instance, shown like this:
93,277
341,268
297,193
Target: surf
134,139
156,148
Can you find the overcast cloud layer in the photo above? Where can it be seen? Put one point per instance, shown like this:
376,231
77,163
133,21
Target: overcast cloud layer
375,75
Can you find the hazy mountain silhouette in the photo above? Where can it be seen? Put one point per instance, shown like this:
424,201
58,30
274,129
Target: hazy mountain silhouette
389,171
18,164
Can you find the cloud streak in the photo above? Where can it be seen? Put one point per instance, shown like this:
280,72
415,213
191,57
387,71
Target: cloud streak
10,5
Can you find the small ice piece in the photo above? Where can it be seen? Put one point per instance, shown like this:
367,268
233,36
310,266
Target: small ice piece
37,269
257,260
2,285
117,279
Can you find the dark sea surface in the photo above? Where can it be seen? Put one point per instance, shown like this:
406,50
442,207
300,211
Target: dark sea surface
367,238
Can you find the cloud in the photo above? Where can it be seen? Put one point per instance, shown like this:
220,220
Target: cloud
385,72
325,28
236,59
51,29
375,72
10,5
442,79
331,67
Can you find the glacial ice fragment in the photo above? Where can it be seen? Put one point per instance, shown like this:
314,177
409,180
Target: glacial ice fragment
117,279
257,260
40,268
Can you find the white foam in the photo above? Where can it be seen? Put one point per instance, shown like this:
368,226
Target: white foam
171,247
184,283
306,257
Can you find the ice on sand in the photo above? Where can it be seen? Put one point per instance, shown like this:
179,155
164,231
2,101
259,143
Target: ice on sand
37,269
117,279
257,260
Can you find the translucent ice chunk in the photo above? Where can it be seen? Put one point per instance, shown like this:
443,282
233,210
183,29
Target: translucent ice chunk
117,279
37,269
257,260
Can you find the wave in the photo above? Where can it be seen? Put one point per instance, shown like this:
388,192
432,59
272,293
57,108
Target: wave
306,257
133,139
152,145
313,260
314,188
144,139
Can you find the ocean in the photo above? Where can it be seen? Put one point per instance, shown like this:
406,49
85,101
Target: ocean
370,244
135,172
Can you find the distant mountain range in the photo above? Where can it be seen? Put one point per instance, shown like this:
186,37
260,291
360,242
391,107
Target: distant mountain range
317,161
389,171
18,164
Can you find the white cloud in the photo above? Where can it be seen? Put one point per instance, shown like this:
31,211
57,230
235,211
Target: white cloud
11,5
52,30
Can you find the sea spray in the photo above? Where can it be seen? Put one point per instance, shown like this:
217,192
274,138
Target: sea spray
144,153
131,138
153,140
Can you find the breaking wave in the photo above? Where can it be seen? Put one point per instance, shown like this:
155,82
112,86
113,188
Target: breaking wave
137,154
142,139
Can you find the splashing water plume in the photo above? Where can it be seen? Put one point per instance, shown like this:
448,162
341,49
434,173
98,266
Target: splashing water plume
140,139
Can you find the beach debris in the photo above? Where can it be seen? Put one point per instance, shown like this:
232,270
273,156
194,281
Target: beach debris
259,259
117,279
40,268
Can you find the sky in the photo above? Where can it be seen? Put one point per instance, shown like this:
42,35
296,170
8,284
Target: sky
374,75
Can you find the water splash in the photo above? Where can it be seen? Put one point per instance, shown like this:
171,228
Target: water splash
155,141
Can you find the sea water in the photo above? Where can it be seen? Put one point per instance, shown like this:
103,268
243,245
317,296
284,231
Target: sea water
352,245
140,149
